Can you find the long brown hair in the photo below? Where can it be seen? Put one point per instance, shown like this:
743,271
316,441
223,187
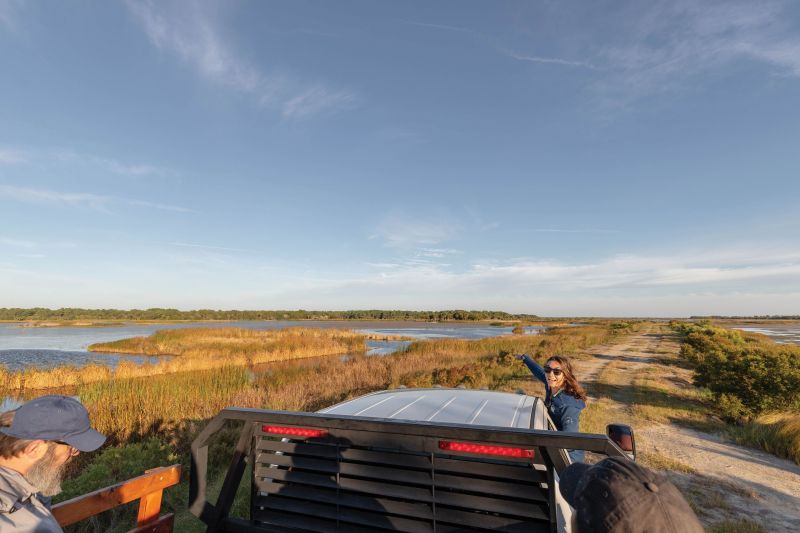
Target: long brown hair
571,385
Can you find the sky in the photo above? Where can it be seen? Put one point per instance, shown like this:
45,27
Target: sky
560,158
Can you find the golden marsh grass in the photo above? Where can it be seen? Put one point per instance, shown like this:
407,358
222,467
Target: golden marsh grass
195,349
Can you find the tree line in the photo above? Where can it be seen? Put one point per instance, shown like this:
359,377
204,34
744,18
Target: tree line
156,313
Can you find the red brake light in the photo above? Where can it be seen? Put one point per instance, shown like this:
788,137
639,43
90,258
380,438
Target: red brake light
485,449
296,432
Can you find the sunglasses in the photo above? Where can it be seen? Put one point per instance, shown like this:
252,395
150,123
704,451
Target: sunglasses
73,451
554,371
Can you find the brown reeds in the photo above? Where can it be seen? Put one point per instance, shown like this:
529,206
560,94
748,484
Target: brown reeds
195,349
137,407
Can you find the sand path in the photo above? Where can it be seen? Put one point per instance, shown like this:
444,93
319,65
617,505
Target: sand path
744,483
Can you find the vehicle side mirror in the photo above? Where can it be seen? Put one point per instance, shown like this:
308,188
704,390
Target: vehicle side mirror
622,436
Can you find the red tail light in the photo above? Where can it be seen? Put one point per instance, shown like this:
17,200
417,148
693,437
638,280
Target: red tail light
485,449
295,432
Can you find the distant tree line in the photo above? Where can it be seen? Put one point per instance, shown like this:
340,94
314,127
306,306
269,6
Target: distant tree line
752,317
72,313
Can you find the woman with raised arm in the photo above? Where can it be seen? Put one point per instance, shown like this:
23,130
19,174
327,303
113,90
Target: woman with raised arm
564,396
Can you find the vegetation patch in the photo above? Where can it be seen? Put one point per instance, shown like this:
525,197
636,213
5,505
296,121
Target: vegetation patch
754,382
152,420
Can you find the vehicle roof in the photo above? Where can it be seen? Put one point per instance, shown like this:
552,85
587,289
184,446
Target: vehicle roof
460,406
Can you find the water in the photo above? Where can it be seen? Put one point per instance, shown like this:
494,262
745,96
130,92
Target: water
48,347
780,333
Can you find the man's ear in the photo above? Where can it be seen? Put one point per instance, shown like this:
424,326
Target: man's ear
36,449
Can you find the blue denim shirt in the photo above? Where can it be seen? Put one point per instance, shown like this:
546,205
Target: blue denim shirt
564,409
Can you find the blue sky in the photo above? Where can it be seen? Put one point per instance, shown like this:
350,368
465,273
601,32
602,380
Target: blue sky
557,158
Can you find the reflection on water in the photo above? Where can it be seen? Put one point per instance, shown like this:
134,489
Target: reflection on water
780,333
20,359
48,347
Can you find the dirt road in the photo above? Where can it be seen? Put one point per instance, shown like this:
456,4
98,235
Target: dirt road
724,482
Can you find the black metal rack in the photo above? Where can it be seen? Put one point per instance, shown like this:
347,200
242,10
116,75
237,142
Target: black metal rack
367,474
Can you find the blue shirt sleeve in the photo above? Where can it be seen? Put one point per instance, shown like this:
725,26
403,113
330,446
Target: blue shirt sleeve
535,368
570,417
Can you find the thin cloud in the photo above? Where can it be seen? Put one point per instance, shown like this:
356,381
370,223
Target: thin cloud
550,60
111,165
191,34
438,26
208,247
9,14
622,275
31,256
162,207
47,196
316,100
12,156
78,200
485,39
66,156
562,230
19,243
663,45
402,230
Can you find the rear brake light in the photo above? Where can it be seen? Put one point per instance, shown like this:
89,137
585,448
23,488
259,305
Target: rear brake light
485,449
296,432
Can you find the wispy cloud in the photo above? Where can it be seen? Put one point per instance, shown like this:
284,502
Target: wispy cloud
437,252
661,45
316,100
12,156
96,202
565,230
191,33
404,230
9,13
162,207
479,36
623,277
439,26
109,164
550,60
208,247
47,196
19,243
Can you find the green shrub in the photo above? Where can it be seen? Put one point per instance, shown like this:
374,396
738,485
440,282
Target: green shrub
748,373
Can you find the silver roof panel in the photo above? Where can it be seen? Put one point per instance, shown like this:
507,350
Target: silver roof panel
460,406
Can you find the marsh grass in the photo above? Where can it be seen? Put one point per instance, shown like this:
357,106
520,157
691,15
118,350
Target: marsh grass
776,433
256,346
172,408
195,349
741,525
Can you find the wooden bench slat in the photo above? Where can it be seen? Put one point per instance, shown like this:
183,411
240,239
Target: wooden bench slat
96,502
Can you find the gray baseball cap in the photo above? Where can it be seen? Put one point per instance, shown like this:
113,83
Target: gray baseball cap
55,418
619,496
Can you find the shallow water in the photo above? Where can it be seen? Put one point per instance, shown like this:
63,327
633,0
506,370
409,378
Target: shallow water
780,333
49,347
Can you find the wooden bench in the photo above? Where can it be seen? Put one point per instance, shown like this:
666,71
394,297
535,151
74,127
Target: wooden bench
148,489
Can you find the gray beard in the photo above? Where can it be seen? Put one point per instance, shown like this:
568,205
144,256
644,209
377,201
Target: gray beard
45,475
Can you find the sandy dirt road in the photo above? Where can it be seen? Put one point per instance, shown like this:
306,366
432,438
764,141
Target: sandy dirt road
731,482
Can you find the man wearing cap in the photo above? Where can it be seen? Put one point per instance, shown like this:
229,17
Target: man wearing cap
36,443
617,495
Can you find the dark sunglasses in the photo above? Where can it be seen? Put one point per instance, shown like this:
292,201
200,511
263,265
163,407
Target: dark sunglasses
555,371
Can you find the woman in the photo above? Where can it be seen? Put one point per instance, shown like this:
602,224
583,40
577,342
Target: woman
564,396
